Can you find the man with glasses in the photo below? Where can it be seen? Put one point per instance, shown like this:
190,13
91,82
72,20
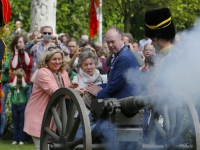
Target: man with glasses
47,40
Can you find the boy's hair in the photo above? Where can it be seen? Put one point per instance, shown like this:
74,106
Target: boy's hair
19,73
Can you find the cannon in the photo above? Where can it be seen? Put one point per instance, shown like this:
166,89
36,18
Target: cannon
180,130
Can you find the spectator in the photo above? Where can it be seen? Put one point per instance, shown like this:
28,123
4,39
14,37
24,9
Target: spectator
64,38
73,48
128,38
128,41
89,46
18,29
97,46
87,74
148,52
48,40
35,38
143,42
21,59
5,83
136,47
18,99
51,75
102,57
117,86
105,46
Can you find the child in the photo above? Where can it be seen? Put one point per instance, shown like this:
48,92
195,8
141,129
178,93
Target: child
18,99
149,53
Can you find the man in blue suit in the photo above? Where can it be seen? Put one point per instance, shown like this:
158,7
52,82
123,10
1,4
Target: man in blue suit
118,86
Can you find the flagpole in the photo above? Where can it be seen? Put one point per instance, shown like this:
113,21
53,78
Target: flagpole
100,22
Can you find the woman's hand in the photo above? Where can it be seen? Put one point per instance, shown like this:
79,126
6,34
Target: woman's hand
93,51
81,91
73,85
16,49
79,51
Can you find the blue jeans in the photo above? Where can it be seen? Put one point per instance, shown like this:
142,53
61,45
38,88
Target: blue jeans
79,133
29,91
18,118
3,114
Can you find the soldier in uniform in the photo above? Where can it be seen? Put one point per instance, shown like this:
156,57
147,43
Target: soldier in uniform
160,28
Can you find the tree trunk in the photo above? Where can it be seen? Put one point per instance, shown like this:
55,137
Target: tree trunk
126,23
43,13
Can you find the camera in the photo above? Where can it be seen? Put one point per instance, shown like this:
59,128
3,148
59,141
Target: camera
85,49
46,37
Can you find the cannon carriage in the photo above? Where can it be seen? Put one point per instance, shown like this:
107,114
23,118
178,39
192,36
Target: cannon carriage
124,118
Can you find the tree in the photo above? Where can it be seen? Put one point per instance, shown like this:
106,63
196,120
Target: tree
20,11
73,17
131,13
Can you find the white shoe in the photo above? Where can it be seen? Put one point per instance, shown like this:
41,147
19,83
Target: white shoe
21,143
14,143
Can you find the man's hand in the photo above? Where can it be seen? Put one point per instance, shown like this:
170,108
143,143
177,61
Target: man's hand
55,39
130,46
93,89
37,39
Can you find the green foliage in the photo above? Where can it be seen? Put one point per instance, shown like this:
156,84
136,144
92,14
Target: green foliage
131,13
73,16
8,132
20,11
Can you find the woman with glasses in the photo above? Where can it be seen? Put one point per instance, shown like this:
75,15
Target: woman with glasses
51,75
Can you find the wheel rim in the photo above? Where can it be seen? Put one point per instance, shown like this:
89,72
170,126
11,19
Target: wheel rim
66,127
173,138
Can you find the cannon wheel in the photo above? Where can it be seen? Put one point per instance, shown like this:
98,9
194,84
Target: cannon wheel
63,137
177,135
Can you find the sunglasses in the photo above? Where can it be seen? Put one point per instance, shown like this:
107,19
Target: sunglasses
45,33
54,47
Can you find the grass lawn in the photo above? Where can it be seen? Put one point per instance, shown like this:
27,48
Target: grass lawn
6,145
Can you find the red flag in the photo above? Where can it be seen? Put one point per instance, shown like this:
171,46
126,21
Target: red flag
94,23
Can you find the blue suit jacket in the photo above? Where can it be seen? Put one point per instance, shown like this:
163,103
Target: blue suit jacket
117,86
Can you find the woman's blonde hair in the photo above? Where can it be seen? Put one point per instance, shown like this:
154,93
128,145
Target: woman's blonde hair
45,57
20,73
150,46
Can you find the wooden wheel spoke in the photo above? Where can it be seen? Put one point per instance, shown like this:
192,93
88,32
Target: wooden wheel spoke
57,120
160,130
52,134
73,131
70,117
63,115
75,143
166,122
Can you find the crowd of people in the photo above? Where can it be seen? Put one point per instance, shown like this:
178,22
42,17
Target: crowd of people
44,62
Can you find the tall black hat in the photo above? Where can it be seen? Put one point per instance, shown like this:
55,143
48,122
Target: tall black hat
158,23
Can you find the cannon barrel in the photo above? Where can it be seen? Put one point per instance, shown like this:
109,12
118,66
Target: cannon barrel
131,105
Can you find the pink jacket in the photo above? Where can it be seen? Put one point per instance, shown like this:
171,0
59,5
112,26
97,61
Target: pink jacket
44,86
